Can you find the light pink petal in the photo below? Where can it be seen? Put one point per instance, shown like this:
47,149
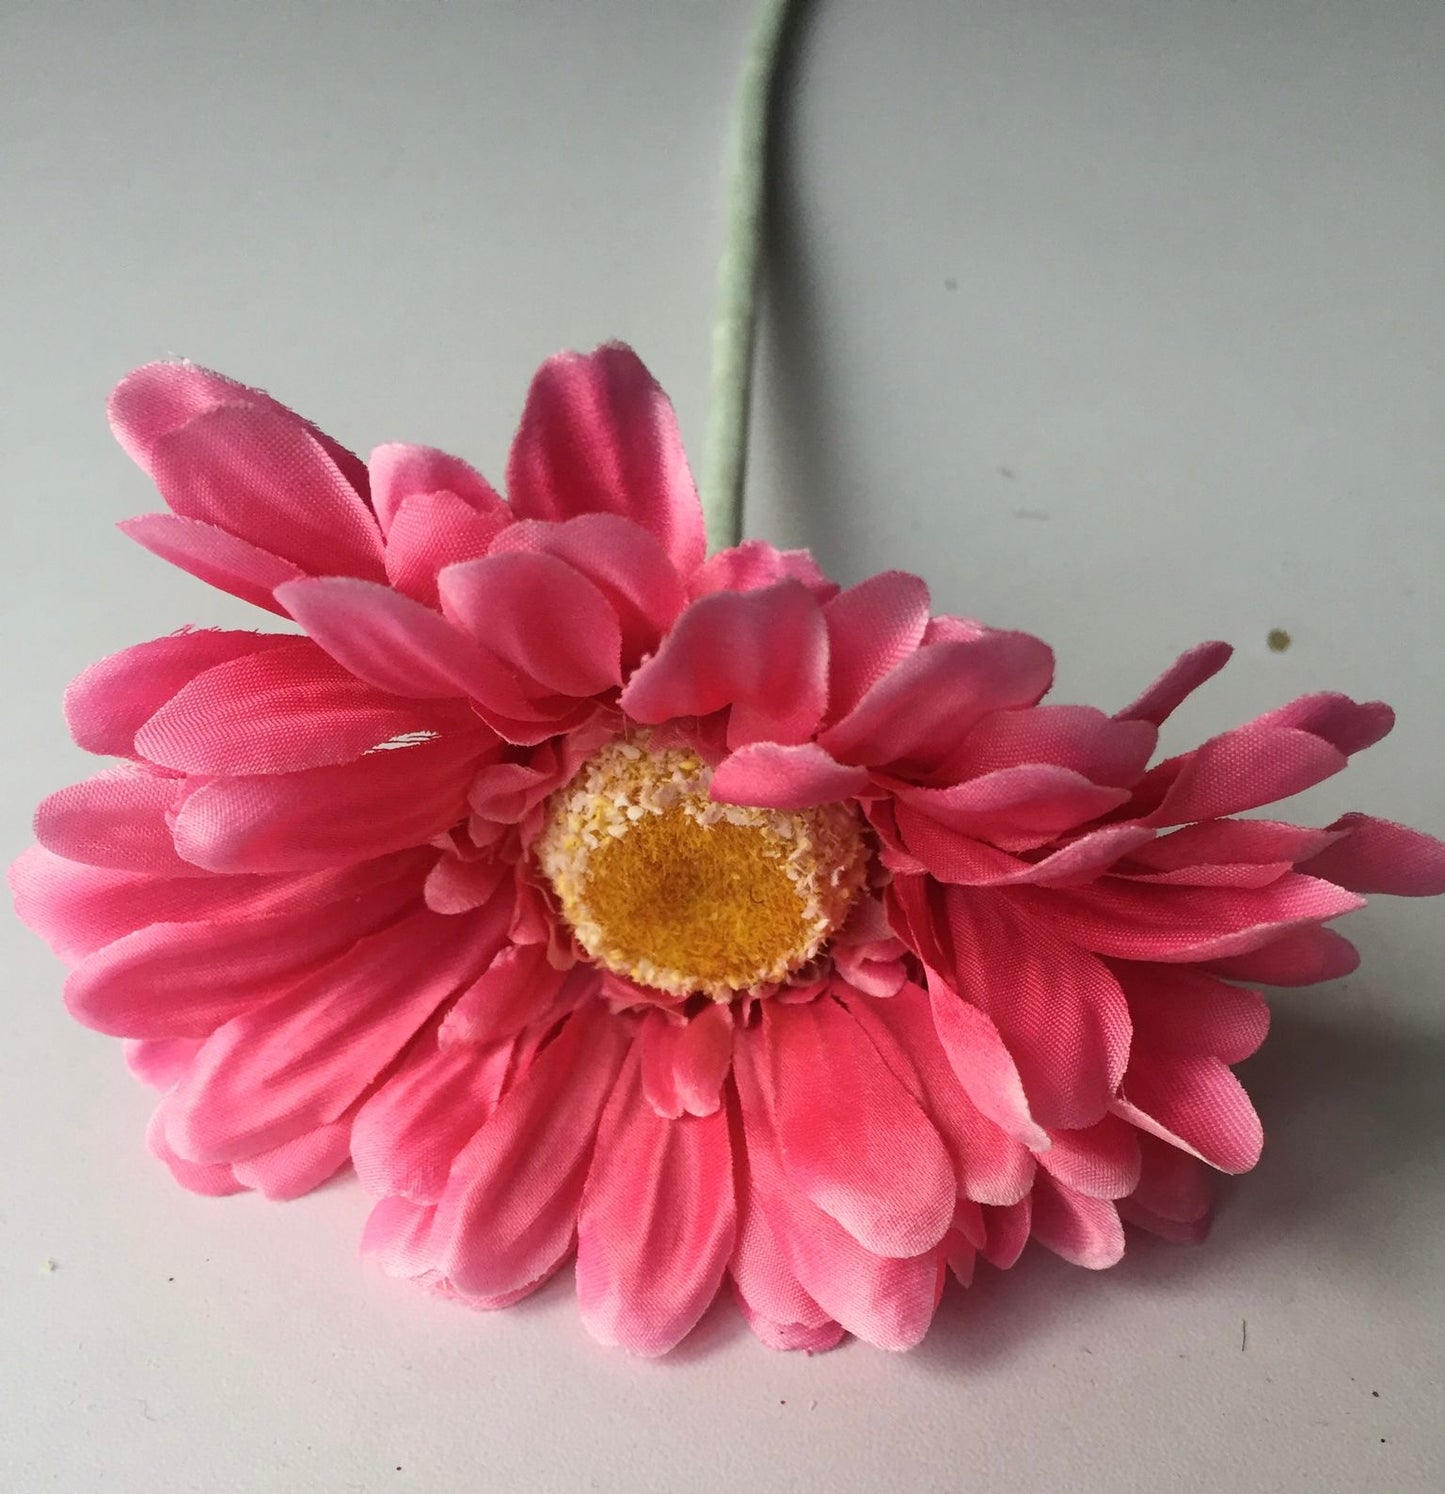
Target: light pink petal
519,987
1381,856
431,531
918,712
684,1063
504,1222
1057,1008
186,979
599,436
107,704
1102,749
755,564
1184,924
776,777
1101,1161
962,1257
541,617
1243,769
1179,1009
1300,958
400,472
1013,808
302,1060
1230,842
790,1337
764,653
213,1180
264,478
853,1139
1347,725
622,560
656,1223
396,643
772,1299
160,1062
385,801
158,398
115,819
281,710
214,556
1188,672
1196,1104
872,628
1008,1233
1084,1231
397,1238
299,1165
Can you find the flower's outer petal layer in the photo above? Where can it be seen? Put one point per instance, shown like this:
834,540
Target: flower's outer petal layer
1299,958
1188,672
1099,1162
1375,855
214,556
118,819
599,436
755,564
1084,1231
1196,1104
872,628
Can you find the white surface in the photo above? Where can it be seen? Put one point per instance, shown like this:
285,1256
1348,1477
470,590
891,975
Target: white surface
1121,322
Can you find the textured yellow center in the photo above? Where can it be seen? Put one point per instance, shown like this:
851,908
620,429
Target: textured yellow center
664,886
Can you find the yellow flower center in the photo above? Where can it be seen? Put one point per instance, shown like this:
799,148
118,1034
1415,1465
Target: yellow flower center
662,885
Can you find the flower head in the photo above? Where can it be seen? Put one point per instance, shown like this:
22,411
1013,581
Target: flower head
694,913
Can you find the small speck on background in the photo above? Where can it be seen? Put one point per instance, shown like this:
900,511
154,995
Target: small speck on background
1278,640
49,1267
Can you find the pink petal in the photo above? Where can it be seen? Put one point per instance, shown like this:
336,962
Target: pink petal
264,478
764,653
918,711
846,1124
777,1308
516,989
774,777
1347,725
1243,769
107,704
872,628
1178,1009
431,531
213,1180
599,436
302,1060
1013,808
1381,856
1008,1233
1084,1231
186,979
1106,751
656,1223
160,1062
1193,1232
1234,841
622,560
791,1337
1101,1161
1300,958
541,617
955,858
1188,672
400,472
1196,1104
1184,924
755,564
297,1166
214,556
280,710
384,801
684,1063
505,1222
117,819
456,886
1172,1184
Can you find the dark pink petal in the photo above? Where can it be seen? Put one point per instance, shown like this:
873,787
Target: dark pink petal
519,987
1188,672
1013,808
385,801
158,398
281,710
1234,841
400,472
431,531
301,1061
504,1222
214,556
1179,1009
297,1166
684,1063
1101,1161
457,886
1084,1231
872,628
213,1180
1184,924
1196,1104
116,819
1237,874
1380,856
963,861
771,776
755,564
599,436
1058,1010
854,1141
264,478
1008,1233
1299,958
656,1223
160,1062
764,653
107,704
918,712
1172,1184
539,616
1243,769
1080,738
622,560
396,643
1347,725
186,979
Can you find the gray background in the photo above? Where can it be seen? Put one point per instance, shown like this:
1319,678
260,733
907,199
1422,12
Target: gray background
1120,321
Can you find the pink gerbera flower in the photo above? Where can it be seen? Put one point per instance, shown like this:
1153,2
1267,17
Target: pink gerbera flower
692,914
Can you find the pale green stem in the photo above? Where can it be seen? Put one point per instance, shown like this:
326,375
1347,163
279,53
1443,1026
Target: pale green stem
725,451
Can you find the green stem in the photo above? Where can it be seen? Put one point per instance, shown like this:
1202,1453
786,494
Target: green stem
725,452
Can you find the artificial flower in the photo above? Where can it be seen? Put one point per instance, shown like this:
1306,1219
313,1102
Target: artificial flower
694,915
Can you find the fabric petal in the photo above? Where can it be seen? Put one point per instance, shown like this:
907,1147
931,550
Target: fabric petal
214,556
297,1166
400,472
1375,855
872,628
211,1180
1300,958
431,531
1196,1104
1179,1009
1101,1161
1086,741
1013,808
117,819
771,776
1008,1233
1084,1231
519,987
754,564
684,1063
1243,769
1188,672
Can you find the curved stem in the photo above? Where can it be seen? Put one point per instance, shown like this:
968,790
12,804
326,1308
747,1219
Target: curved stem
725,452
